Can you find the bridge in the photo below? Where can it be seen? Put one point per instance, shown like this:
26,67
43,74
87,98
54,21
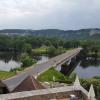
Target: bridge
37,69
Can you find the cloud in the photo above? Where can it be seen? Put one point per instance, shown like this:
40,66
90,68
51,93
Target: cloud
38,14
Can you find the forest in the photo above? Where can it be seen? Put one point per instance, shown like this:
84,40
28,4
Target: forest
27,43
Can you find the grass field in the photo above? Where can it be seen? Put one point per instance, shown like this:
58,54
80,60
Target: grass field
44,50
40,50
49,74
5,75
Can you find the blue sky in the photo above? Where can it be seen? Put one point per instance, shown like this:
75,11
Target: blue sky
47,14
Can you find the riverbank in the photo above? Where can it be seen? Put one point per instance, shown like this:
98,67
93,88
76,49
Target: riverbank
26,62
5,74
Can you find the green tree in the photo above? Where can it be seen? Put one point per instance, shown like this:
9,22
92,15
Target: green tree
27,47
51,50
27,61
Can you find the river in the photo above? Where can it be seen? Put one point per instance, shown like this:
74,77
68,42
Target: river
85,69
10,61
88,68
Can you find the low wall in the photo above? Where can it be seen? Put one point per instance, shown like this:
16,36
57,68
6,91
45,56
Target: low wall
45,94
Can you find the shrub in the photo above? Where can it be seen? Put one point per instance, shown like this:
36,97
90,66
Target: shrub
27,61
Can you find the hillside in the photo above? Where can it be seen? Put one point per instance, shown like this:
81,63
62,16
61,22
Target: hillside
66,34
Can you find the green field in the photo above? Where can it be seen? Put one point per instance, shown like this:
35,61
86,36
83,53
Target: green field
48,75
5,74
40,50
49,50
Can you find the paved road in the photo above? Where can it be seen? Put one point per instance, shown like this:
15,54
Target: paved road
39,68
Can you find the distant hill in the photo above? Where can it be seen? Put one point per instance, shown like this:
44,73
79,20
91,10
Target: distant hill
66,34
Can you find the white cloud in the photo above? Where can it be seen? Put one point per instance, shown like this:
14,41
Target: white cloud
38,14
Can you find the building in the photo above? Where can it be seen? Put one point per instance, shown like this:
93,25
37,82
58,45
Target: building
33,90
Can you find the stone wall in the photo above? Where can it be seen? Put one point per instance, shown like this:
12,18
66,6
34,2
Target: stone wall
53,96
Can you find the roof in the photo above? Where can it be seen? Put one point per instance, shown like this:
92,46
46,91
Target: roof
29,83
91,93
2,84
77,82
3,88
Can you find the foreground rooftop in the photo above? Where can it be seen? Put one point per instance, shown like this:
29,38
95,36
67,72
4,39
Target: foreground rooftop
74,92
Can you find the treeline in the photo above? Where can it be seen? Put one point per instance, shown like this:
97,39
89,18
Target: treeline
27,43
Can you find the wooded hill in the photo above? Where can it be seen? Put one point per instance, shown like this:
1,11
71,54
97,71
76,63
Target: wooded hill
66,34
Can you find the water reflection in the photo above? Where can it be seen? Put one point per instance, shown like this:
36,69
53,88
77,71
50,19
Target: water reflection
89,61
9,60
42,59
9,65
88,68
87,72
7,56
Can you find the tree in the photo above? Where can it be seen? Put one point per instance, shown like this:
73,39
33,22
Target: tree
27,61
47,43
51,50
27,47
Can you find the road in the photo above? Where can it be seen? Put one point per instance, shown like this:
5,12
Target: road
40,68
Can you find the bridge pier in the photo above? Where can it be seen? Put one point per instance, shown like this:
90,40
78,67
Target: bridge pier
68,67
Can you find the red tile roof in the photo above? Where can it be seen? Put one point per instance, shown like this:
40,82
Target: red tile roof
29,83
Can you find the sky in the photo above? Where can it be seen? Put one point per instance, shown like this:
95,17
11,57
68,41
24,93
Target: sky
49,14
